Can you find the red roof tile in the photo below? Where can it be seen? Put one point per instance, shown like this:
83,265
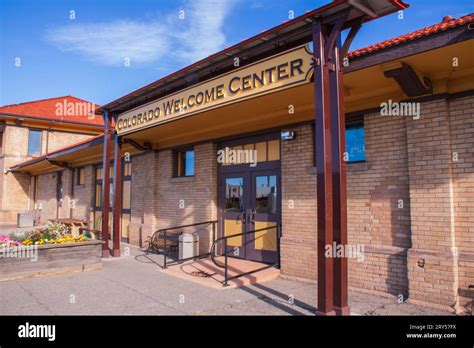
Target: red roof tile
448,22
62,109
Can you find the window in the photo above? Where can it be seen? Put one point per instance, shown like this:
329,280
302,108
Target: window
264,151
355,143
80,176
98,187
183,163
234,190
34,142
266,194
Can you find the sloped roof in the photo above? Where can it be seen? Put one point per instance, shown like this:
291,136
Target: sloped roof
60,109
448,22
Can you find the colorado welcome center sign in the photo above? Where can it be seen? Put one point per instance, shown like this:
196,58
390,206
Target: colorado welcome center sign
281,71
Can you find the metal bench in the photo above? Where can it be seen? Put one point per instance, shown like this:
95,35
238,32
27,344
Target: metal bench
161,239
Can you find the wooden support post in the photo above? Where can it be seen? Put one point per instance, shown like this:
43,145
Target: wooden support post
323,170
117,211
106,184
338,136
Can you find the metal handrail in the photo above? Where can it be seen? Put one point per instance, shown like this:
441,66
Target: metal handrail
277,227
164,230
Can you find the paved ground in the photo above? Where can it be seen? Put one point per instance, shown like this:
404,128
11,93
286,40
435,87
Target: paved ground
135,285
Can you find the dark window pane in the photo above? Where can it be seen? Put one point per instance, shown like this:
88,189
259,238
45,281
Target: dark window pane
234,189
34,142
355,143
266,199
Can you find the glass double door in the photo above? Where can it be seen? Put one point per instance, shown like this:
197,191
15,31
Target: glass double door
250,200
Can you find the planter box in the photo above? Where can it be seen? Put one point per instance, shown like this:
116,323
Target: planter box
40,260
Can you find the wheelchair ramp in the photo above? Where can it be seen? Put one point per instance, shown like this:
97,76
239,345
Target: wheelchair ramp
206,273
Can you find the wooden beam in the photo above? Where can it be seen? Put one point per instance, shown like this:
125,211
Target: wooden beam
145,147
117,210
338,137
323,171
58,164
411,83
108,130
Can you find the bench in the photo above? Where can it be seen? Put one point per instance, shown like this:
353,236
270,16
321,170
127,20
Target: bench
156,243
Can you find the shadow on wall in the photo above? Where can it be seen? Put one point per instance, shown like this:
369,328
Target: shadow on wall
397,264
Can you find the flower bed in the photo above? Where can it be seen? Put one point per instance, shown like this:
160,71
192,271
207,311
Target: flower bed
54,233
51,250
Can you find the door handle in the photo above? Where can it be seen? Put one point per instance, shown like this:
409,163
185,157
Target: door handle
252,215
244,217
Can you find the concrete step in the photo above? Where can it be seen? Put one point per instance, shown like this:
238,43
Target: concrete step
206,273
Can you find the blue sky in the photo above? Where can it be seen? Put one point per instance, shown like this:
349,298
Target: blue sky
87,56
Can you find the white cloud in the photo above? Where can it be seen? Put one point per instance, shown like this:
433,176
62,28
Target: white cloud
111,43
204,34
186,40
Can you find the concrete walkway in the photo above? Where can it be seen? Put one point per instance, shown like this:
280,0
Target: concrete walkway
136,285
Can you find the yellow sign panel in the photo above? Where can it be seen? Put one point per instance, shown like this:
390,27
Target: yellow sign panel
265,240
282,71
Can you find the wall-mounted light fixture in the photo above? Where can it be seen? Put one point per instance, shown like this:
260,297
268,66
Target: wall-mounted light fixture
287,135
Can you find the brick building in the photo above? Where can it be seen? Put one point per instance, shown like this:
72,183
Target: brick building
30,130
410,176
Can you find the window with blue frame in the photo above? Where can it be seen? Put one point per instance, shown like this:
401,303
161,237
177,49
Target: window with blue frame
355,143
34,142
